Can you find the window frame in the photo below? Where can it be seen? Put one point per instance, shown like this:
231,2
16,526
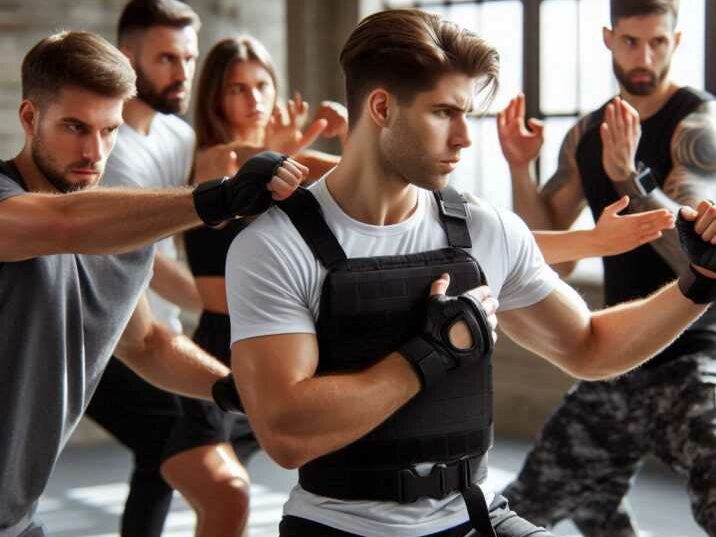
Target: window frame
531,24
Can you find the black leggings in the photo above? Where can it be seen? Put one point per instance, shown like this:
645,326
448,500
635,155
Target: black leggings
141,417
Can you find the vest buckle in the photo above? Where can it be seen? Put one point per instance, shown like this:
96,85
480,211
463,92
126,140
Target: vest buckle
412,486
453,209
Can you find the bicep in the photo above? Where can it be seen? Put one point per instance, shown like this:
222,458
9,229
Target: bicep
555,328
268,368
33,226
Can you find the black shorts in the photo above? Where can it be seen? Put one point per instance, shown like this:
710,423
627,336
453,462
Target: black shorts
505,522
203,423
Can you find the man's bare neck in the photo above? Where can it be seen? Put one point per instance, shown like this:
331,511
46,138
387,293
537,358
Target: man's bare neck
138,115
34,179
367,193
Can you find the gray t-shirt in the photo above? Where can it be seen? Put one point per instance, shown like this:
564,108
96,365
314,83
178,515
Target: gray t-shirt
160,159
60,319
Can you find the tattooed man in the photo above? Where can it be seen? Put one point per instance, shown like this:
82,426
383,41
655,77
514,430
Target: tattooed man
591,447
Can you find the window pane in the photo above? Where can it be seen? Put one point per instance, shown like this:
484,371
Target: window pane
596,81
555,130
483,170
558,56
687,67
501,26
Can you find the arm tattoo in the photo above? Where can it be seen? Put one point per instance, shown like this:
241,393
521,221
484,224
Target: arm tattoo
567,169
692,178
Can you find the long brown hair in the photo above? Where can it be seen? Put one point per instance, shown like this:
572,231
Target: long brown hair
209,120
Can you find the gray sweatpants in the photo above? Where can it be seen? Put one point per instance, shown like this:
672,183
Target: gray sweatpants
583,462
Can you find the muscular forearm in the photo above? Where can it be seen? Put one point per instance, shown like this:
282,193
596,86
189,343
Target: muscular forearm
624,336
173,282
667,246
112,220
321,414
526,199
173,362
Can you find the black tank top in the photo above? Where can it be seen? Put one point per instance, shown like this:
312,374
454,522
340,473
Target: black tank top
642,271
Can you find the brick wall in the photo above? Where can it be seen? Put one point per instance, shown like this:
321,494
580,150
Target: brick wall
24,22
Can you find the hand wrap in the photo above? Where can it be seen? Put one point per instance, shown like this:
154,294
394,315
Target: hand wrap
695,286
244,194
226,396
431,353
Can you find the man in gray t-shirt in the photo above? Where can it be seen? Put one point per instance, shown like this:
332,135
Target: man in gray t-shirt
74,262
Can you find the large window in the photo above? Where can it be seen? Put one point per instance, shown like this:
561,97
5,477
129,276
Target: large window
563,38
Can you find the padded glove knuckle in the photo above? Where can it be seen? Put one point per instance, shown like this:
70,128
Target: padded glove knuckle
699,252
432,354
244,194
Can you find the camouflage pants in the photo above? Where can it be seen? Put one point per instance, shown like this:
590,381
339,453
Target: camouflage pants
583,462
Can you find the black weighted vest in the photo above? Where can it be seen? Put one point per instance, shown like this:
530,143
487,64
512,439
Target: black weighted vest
368,308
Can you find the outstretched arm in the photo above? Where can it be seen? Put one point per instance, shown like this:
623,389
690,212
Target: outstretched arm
599,345
113,220
558,204
612,235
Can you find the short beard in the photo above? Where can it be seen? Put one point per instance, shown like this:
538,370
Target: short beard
49,170
641,88
159,100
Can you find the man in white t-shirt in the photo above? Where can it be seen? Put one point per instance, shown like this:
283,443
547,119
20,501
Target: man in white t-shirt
410,82
154,149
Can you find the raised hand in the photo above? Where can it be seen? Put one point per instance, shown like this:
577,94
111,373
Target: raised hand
620,133
337,117
520,146
219,160
615,234
285,133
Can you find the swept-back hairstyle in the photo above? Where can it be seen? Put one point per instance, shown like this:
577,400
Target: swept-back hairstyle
622,9
78,59
209,121
140,15
406,51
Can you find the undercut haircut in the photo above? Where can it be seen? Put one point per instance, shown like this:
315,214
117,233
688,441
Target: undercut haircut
76,59
624,9
140,15
407,51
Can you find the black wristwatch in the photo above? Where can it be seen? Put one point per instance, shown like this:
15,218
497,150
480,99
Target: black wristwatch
643,179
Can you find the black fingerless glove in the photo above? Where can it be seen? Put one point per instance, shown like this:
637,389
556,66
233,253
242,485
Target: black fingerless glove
226,396
431,353
244,194
695,286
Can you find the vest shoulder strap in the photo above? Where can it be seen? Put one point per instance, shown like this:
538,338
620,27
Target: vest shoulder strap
306,215
453,216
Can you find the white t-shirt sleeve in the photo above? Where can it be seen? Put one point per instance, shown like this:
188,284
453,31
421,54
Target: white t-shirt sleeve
267,284
528,279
